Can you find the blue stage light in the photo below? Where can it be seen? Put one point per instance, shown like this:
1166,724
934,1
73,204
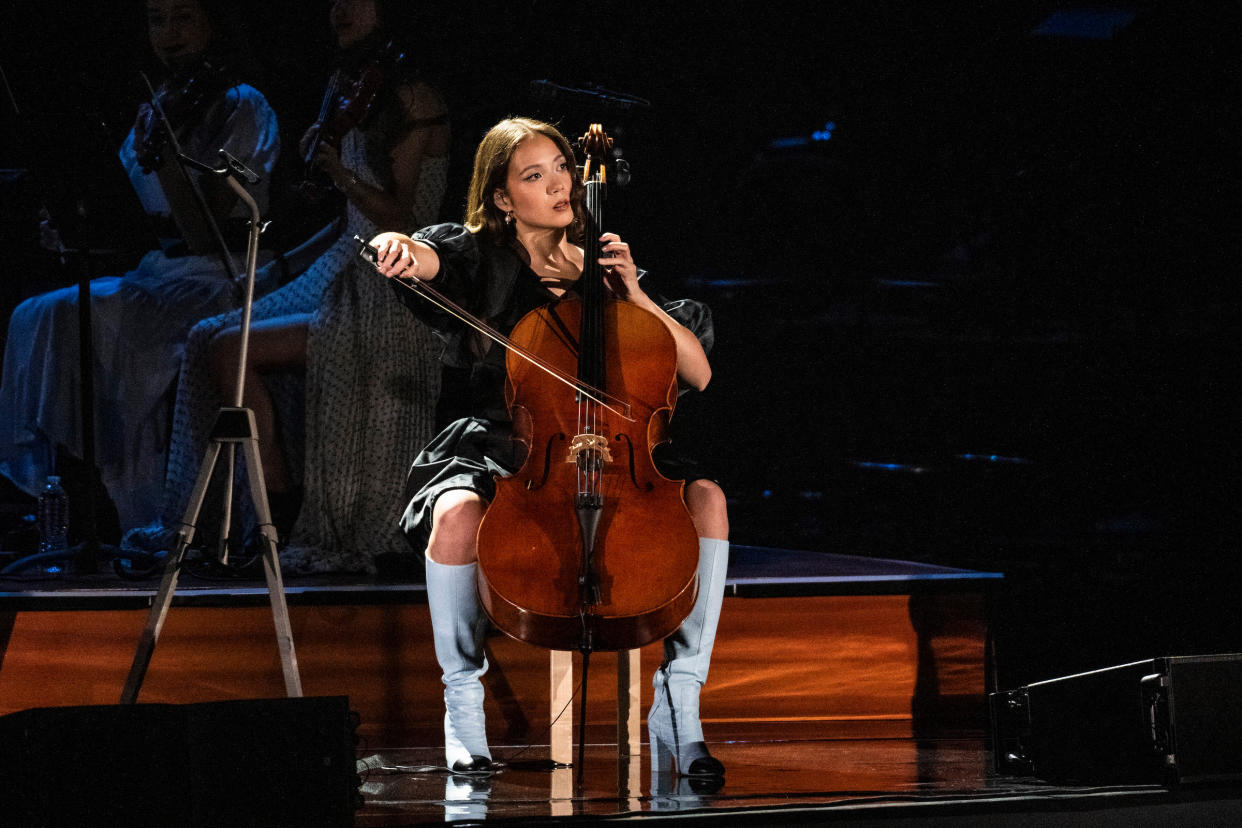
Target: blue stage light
824,134
786,143
993,458
1086,23
910,468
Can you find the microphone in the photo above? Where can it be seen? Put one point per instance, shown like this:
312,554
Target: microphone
239,168
547,90
231,165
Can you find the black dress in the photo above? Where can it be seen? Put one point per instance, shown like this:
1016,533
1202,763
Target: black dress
492,283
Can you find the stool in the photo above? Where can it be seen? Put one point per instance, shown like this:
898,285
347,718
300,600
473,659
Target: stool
629,700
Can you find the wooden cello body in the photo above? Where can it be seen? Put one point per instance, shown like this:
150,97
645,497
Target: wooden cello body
644,561
588,546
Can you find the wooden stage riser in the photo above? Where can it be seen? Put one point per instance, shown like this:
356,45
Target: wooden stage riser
820,660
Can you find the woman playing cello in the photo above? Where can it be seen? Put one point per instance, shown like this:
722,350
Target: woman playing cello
518,251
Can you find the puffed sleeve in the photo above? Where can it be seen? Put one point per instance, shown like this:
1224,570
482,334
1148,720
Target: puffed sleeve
244,125
458,250
696,317
458,279
691,314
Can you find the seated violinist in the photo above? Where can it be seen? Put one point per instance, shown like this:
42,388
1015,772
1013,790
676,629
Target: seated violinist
361,416
518,251
140,320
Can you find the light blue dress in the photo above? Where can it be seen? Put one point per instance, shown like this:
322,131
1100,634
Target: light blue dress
140,321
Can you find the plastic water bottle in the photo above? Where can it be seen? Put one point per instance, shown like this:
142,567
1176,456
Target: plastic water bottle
53,517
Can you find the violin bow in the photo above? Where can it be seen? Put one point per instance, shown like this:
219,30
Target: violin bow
435,297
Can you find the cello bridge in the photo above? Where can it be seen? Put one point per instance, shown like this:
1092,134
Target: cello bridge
597,444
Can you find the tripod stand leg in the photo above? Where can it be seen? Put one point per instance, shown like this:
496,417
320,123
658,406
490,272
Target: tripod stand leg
233,426
168,585
226,520
271,568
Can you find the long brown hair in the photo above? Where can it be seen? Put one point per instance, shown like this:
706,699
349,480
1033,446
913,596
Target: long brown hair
491,168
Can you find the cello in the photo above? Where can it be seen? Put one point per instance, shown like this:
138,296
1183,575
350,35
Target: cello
587,546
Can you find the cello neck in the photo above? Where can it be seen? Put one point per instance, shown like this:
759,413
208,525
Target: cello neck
591,362
591,336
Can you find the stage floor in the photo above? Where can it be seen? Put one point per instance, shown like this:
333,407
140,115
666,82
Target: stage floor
843,688
781,777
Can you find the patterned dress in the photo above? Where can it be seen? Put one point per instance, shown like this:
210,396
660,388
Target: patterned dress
371,384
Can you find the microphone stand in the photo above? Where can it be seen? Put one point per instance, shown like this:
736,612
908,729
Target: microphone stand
83,558
232,170
590,93
234,426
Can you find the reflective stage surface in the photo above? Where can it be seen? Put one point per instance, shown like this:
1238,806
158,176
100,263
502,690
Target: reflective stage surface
782,778
841,689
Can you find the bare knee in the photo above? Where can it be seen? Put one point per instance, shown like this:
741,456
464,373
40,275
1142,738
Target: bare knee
455,527
706,502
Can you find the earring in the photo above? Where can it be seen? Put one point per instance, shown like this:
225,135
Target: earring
509,217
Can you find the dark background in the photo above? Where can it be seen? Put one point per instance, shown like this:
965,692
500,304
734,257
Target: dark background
990,323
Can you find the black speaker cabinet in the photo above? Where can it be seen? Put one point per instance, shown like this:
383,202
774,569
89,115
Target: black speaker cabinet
1168,720
268,762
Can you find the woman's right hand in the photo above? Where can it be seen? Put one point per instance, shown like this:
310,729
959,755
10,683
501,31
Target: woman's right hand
395,257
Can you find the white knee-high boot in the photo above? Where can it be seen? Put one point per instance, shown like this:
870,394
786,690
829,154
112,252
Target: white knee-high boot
673,722
457,629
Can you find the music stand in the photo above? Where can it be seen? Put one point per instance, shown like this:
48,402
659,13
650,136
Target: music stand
90,200
234,425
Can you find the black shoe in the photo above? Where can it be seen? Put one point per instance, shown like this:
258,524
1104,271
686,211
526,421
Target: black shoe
477,764
706,766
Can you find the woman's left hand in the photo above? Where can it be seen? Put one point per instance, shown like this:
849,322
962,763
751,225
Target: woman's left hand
621,272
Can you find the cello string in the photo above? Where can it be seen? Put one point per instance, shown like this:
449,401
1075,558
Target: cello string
597,330
582,488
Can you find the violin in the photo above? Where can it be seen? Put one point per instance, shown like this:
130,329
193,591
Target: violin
182,100
587,546
343,110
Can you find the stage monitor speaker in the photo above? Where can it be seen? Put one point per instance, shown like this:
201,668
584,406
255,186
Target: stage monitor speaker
260,762
1169,720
